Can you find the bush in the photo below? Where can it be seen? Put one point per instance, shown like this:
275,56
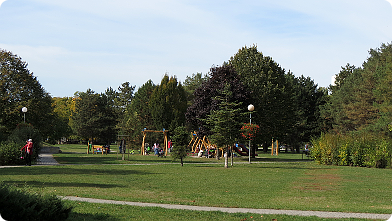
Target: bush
24,132
22,205
354,149
325,149
379,156
10,154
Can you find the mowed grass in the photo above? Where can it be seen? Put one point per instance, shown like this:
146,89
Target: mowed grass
92,211
270,182
77,154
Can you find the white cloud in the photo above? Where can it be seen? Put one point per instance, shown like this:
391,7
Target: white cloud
1,2
390,2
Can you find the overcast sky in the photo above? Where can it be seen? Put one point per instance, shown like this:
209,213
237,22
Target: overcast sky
74,45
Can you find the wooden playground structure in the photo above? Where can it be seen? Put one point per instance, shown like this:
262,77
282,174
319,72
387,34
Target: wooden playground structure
165,140
204,144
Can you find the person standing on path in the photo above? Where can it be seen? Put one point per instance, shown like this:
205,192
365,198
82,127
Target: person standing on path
28,151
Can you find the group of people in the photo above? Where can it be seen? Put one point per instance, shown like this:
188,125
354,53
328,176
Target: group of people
157,149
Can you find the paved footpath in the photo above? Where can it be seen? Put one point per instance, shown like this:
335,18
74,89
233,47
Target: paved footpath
48,159
238,210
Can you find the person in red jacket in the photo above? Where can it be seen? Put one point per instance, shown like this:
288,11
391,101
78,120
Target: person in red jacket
28,151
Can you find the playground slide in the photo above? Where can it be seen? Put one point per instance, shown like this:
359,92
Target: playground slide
245,151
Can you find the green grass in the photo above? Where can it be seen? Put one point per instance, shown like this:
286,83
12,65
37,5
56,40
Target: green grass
91,211
271,182
77,154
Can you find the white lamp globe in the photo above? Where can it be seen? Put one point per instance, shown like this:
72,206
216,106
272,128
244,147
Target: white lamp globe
251,107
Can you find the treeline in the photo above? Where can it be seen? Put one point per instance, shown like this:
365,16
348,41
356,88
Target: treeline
287,108
293,110
359,114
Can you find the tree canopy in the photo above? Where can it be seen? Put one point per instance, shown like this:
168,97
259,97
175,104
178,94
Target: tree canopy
168,104
20,88
93,117
204,101
361,97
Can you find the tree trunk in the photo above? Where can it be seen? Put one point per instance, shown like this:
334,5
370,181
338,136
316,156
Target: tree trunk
182,162
231,155
226,159
265,147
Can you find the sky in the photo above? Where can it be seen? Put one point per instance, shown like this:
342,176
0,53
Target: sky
75,45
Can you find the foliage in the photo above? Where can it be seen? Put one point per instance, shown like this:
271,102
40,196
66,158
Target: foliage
180,140
168,104
119,101
191,83
286,107
271,93
20,88
21,134
94,117
62,110
16,204
225,122
249,131
204,101
10,153
138,114
307,99
352,149
361,97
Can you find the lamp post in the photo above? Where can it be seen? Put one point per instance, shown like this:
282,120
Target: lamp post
250,109
24,110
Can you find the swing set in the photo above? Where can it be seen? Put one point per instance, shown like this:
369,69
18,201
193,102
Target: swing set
165,141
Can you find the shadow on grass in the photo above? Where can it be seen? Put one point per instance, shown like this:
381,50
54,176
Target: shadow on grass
64,170
58,184
91,217
275,159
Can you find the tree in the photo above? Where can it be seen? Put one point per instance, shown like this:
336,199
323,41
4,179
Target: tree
225,122
362,102
62,110
20,88
180,143
94,117
204,101
271,93
307,98
344,73
119,100
138,114
168,104
193,82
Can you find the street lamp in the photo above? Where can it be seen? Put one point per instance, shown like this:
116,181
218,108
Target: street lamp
24,110
250,109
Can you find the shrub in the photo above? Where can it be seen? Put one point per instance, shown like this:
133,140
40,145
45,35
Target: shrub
325,149
21,205
353,149
24,132
10,153
358,150
379,155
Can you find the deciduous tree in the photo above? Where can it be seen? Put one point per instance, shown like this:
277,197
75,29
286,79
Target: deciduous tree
20,88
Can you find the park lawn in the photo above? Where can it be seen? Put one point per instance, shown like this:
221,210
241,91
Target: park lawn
300,185
93,211
77,154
